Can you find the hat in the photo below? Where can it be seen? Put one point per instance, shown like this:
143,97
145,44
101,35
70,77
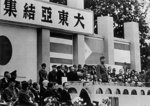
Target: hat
14,73
54,66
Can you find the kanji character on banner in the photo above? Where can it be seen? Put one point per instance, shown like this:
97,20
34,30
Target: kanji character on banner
79,18
63,17
29,11
46,14
10,7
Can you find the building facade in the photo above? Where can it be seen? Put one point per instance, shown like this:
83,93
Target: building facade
36,32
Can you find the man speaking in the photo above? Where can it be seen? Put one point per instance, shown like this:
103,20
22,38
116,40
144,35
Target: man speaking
101,71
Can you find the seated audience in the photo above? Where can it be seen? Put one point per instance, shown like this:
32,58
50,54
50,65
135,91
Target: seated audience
120,76
84,94
35,89
10,94
49,92
43,90
113,75
13,78
66,98
25,96
28,94
5,81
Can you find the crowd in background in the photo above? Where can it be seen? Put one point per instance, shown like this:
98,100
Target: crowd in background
100,73
27,93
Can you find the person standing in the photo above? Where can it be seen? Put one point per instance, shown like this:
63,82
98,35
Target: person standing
35,89
42,74
43,89
24,96
10,94
42,77
101,70
60,74
52,76
72,75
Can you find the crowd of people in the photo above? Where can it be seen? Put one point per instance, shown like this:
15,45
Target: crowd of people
93,73
26,93
47,91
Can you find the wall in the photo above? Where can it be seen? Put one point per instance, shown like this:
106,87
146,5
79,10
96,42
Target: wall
94,49
24,53
124,100
61,48
121,51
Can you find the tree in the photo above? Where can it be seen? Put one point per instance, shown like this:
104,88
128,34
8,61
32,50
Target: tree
64,2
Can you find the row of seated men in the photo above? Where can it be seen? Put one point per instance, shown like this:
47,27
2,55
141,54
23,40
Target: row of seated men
26,93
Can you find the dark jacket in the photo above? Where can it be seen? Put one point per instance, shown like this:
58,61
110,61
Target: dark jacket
36,94
9,95
72,76
66,98
42,76
48,93
86,98
3,84
52,76
101,73
24,99
60,74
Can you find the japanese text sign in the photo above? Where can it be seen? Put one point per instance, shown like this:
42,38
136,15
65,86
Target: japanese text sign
47,15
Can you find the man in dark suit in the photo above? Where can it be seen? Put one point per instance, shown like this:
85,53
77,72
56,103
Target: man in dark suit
24,96
60,74
5,81
43,90
42,74
84,94
52,76
72,75
101,70
66,98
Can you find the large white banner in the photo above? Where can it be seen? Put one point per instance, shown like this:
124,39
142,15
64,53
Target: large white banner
45,14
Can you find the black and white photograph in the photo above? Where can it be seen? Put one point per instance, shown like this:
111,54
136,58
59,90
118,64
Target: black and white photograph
74,52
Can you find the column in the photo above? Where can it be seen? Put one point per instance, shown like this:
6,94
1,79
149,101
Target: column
78,50
43,48
78,40
105,29
76,3
131,32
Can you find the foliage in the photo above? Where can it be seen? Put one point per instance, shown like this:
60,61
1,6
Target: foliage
64,2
